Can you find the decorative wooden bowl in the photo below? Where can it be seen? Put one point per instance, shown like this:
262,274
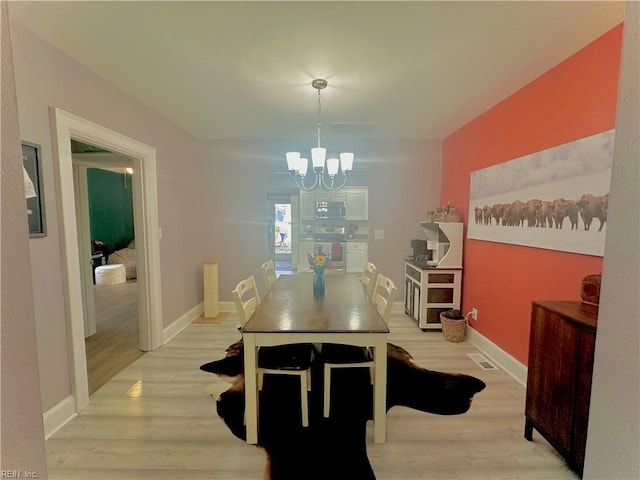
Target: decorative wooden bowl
590,289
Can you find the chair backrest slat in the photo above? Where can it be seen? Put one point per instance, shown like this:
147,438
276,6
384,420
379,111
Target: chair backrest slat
384,294
368,278
269,273
246,298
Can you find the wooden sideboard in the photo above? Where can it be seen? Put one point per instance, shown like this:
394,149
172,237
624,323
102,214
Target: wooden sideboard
561,350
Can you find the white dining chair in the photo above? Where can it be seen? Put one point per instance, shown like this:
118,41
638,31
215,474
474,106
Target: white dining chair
384,294
368,278
294,359
268,274
350,356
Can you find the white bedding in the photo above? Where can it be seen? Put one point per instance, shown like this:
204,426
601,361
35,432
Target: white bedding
126,257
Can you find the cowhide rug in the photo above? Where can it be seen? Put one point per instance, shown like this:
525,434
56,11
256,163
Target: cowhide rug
332,448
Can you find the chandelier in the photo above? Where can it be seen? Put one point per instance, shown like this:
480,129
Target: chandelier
298,165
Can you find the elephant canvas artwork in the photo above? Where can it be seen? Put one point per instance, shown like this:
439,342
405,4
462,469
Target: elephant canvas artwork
334,447
556,199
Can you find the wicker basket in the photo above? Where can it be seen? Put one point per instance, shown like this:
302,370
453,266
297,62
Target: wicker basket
453,329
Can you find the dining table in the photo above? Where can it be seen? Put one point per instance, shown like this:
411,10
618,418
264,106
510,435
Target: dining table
290,313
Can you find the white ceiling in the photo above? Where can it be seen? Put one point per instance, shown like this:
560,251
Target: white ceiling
243,70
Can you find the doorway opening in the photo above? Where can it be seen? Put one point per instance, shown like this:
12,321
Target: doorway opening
280,232
105,220
68,127
282,228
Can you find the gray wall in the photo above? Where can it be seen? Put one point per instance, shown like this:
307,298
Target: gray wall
403,179
22,432
47,77
613,439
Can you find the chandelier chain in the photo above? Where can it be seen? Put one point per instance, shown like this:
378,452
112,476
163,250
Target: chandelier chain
319,111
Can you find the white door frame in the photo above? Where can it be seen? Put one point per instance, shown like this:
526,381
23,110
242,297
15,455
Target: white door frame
81,190
81,164
67,127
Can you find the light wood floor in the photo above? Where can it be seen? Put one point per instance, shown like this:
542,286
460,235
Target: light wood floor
116,342
154,421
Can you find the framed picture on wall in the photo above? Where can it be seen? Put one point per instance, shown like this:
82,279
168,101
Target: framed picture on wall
556,199
33,189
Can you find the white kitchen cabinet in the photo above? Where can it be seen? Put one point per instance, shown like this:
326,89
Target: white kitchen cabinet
304,248
321,195
338,196
430,291
356,256
330,196
307,206
356,204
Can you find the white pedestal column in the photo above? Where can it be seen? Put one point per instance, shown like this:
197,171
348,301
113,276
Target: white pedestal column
210,272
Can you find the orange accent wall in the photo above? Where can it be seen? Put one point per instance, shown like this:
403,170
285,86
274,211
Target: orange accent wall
575,99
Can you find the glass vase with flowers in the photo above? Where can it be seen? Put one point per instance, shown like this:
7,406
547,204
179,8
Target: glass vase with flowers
318,264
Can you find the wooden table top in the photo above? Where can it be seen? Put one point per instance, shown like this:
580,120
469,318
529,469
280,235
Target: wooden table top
291,307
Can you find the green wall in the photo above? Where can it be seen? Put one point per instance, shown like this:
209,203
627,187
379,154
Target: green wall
110,208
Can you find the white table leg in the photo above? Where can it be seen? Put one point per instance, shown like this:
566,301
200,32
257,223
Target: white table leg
380,391
250,388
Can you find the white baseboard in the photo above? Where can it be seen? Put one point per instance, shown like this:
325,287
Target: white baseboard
55,418
227,306
178,325
497,355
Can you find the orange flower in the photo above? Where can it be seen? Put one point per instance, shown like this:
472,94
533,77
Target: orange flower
319,263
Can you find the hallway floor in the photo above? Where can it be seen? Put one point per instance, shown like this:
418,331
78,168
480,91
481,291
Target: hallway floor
153,420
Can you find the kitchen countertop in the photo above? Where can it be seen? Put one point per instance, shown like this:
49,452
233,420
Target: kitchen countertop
420,265
423,266
354,239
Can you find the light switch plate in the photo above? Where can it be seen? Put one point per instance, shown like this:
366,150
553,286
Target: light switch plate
378,234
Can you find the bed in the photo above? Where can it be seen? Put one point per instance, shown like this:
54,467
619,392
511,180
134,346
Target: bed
127,257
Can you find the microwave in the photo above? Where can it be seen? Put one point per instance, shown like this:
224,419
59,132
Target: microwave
330,211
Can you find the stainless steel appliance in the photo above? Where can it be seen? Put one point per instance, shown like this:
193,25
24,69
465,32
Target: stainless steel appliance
335,252
419,247
331,242
422,256
330,210
330,233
